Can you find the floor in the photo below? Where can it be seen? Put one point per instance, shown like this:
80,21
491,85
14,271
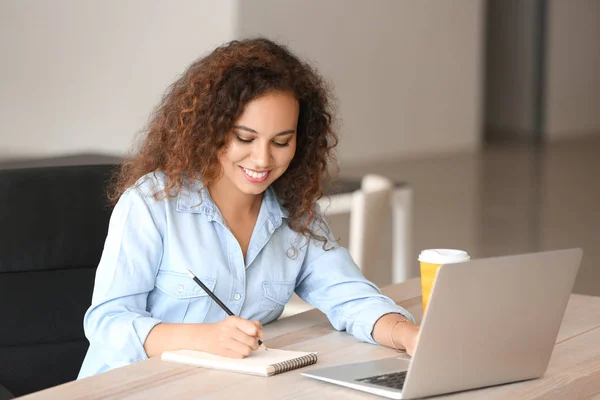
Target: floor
507,199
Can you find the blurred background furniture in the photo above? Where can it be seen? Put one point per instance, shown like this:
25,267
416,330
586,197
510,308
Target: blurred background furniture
343,200
54,223
369,208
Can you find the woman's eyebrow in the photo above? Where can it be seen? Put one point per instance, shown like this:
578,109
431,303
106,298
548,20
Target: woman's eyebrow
244,128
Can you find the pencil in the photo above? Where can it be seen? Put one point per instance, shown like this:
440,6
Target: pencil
215,298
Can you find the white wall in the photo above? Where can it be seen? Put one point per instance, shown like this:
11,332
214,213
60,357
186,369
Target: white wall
573,68
407,74
85,75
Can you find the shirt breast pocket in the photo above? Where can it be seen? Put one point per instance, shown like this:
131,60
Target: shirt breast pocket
275,296
180,299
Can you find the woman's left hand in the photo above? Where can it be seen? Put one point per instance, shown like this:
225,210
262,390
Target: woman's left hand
408,337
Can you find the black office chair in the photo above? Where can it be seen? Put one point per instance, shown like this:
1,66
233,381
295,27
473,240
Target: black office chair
5,394
53,223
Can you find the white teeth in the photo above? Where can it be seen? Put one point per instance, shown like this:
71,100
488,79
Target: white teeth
255,175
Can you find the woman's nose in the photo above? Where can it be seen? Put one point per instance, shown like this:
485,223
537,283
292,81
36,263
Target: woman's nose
262,155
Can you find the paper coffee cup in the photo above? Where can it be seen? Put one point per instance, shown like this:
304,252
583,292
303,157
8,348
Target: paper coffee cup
431,260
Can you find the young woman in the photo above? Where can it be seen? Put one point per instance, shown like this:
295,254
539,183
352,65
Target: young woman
225,184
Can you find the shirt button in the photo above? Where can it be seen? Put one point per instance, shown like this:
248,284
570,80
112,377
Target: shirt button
180,288
237,296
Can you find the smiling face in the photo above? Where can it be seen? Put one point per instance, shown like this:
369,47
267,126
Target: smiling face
262,145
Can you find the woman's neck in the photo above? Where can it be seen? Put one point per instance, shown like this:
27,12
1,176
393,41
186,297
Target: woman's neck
233,203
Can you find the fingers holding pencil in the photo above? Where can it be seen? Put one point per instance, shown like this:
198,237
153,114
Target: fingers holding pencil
237,337
249,328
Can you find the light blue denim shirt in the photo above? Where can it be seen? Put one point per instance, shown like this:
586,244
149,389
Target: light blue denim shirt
142,277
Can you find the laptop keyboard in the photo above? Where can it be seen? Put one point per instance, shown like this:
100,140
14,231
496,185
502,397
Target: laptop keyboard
394,380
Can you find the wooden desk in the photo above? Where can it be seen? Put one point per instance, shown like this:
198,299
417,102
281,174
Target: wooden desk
573,373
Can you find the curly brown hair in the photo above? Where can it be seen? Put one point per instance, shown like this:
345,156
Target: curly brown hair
195,120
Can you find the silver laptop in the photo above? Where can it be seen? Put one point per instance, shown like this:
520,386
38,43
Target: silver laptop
489,321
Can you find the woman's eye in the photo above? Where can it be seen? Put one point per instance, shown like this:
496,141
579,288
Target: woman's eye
241,139
278,144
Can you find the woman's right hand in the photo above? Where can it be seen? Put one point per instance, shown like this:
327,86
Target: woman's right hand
235,337
232,337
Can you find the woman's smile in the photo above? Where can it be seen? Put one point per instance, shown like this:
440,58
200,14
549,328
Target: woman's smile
255,176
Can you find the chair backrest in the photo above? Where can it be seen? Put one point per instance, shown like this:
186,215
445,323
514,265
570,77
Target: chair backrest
370,207
54,222
404,267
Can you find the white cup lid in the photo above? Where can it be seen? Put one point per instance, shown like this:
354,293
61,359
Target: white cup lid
443,256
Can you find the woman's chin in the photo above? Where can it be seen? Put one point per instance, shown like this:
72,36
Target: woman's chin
253,188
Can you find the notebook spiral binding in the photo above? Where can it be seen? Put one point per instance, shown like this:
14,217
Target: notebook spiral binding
295,363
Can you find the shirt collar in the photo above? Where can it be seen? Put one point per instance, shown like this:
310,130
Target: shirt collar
195,198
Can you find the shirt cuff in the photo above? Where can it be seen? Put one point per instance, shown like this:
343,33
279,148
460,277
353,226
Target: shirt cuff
142,327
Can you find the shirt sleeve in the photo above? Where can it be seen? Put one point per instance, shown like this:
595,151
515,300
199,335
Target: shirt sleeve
117,320
331,281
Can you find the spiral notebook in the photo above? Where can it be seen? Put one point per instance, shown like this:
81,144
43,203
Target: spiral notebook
261,362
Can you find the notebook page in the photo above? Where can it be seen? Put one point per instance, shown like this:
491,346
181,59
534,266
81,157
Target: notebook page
256,364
